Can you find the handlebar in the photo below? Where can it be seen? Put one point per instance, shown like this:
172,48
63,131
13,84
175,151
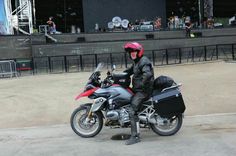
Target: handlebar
107,82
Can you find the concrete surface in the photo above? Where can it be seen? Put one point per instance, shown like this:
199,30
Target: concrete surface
47,101
210,135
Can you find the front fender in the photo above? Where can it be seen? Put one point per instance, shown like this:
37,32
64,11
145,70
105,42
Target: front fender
86,93
88,106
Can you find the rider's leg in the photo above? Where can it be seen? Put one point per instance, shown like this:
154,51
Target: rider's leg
136,102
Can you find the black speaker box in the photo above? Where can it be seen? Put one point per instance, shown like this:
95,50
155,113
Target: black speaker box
149,36
197,34
80,39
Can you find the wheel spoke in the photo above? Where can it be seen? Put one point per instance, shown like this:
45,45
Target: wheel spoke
81,126
84,126
169,126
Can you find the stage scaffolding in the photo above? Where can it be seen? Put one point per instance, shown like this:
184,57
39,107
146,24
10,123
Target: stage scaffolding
22,17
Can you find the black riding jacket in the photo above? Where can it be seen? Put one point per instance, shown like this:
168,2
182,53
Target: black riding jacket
143,75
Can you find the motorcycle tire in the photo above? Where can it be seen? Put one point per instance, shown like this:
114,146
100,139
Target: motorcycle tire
79,128
168,132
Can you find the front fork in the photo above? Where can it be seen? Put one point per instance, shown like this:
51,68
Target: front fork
96,106
89,114
89,117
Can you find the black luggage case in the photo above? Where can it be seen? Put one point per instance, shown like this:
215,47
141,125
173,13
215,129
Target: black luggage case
169,103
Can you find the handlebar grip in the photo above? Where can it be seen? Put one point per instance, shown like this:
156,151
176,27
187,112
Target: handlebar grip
108,73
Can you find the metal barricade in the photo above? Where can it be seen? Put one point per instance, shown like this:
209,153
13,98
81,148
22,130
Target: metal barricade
43,29
8,68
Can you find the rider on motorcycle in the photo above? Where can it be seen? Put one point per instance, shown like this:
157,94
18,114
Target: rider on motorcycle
142,81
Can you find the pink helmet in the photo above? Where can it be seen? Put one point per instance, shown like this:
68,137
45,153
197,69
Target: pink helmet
134,46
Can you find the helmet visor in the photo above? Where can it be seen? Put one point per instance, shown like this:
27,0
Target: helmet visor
130,50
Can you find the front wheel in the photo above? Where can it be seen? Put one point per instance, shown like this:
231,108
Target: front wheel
82,125
169,127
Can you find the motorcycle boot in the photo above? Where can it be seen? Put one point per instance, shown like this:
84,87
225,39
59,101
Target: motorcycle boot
135,134
132,140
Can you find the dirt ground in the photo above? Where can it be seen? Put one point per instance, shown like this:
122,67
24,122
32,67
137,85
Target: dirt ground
49,99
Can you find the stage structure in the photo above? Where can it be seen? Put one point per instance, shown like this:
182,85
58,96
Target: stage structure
102,12
5,18
22,17
208,8
19,20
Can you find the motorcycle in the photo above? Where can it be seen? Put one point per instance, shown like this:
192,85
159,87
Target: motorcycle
163,112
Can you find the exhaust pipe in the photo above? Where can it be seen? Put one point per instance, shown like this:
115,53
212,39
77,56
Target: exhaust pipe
150,120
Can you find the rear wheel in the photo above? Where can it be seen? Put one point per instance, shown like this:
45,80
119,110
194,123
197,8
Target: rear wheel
169,126
82,125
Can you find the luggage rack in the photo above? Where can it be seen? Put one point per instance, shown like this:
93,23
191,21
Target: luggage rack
172,87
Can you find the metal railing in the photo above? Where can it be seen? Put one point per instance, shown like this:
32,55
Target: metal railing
8,68
87,62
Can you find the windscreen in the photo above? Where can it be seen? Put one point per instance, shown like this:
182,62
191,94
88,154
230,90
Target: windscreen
99,67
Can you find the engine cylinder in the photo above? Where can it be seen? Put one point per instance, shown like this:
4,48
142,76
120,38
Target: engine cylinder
112,115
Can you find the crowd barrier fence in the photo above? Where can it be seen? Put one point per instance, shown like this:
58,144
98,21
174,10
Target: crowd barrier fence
8,68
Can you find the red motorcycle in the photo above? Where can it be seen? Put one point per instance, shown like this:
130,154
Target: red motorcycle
163,112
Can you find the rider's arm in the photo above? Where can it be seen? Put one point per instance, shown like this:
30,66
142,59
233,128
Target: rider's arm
147,74
130,70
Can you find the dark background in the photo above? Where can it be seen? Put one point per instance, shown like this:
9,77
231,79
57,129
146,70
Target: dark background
70,12
182,8
64,12
102,11
224,8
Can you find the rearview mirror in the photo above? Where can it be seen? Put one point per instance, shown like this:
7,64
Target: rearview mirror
113,67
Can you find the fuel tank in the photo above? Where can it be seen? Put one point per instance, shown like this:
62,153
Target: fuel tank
118,95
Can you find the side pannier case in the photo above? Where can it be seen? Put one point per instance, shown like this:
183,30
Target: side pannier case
169,103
